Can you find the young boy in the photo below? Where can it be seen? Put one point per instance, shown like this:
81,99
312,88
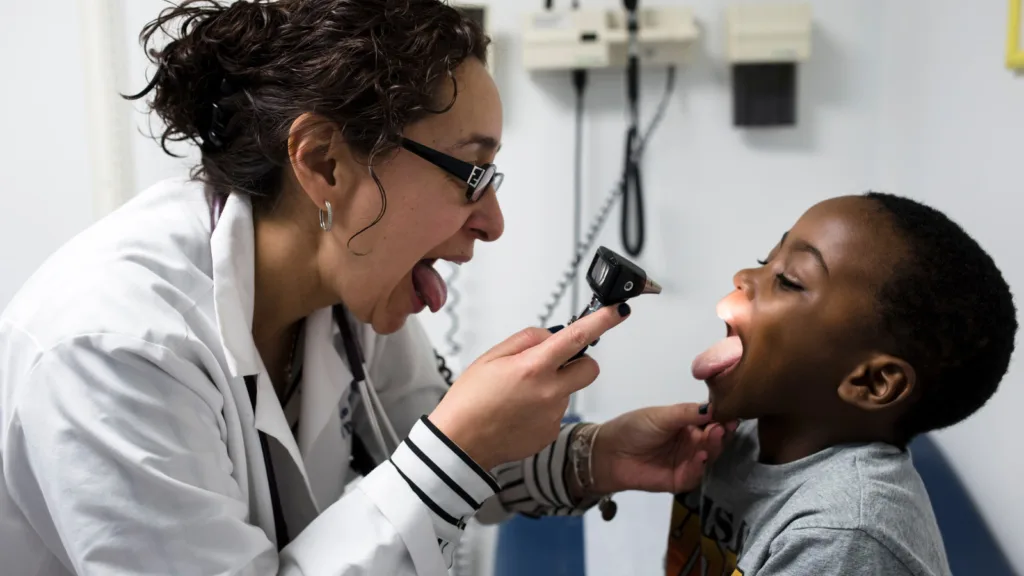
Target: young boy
875,319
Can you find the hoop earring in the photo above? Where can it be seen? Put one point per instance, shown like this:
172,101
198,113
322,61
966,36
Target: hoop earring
328,221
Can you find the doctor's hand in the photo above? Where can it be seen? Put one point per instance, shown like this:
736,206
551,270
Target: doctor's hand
509,403
659,449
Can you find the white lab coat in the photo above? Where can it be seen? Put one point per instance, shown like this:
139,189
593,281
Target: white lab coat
128,441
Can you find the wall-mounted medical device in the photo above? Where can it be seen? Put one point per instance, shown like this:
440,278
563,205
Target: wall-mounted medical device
591,38
764,44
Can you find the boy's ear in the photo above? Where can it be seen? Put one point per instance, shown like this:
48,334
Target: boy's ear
883,381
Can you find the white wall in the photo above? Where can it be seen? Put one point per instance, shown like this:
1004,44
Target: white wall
151,163
887,101
46,189
957,119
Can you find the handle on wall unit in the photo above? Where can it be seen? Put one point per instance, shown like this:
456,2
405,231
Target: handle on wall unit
1014,52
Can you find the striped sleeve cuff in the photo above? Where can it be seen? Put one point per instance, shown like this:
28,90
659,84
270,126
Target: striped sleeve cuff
446,480
536,486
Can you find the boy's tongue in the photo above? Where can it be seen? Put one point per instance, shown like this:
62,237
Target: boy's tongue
429,285
717,359
734,308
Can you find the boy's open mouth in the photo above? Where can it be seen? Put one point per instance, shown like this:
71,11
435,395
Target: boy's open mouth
720,358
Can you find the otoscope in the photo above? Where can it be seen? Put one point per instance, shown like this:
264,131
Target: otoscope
613,279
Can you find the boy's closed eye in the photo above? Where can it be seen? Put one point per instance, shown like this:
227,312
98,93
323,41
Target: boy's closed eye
784,281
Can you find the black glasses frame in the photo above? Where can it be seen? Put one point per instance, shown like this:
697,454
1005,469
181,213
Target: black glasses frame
477,178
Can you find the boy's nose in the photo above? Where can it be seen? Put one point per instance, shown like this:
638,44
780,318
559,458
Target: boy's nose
744,282
734,309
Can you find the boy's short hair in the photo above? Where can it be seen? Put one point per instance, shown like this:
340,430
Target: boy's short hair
948,312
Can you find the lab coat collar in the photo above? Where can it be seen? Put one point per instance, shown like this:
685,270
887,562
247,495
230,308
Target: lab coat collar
325,378
233,250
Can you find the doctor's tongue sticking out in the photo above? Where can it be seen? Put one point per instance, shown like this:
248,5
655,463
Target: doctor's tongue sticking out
429,287
725,354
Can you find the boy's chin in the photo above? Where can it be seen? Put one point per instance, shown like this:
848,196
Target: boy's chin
726,401
722,409
728,407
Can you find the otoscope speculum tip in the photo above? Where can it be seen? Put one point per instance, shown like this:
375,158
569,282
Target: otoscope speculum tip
651,287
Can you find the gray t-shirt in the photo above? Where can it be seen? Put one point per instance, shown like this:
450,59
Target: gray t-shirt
851,510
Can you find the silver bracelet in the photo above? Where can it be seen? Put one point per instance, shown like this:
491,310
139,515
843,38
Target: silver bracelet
581,452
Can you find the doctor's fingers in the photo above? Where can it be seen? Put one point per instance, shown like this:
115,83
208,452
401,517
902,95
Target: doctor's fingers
560,347
713,440
576,376
516,343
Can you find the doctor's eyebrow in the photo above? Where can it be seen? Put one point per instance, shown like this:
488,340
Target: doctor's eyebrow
482,140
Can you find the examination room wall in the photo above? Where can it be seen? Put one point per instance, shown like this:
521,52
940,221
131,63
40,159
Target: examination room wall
910,97
955,118
44,160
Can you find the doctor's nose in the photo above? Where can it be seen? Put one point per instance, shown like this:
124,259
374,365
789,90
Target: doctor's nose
487,223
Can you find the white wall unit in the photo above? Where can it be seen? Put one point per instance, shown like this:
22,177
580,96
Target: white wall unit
772,32
598,38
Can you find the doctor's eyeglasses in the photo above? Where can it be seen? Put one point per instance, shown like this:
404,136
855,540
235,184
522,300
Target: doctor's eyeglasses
477,178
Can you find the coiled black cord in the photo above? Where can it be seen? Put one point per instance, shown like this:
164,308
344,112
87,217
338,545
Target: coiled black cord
584,247
442,368
450,309
569,276
453,327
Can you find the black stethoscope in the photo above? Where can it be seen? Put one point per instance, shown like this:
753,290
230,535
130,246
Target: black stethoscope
361,462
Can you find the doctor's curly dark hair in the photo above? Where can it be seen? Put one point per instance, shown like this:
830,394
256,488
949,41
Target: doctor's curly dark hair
232,78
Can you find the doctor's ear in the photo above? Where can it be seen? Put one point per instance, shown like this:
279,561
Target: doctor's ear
881,382
323,164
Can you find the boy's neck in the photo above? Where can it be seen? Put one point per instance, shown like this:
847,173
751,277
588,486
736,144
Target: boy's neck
783,440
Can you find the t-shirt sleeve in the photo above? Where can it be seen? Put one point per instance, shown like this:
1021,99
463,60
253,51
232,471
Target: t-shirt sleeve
827,551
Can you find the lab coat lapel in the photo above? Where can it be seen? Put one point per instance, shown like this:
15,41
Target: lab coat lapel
233,250
325,379
325,424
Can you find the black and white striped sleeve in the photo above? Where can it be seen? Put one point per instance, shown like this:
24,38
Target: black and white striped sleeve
536,485
446,479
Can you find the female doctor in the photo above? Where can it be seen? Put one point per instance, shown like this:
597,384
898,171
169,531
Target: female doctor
189,386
